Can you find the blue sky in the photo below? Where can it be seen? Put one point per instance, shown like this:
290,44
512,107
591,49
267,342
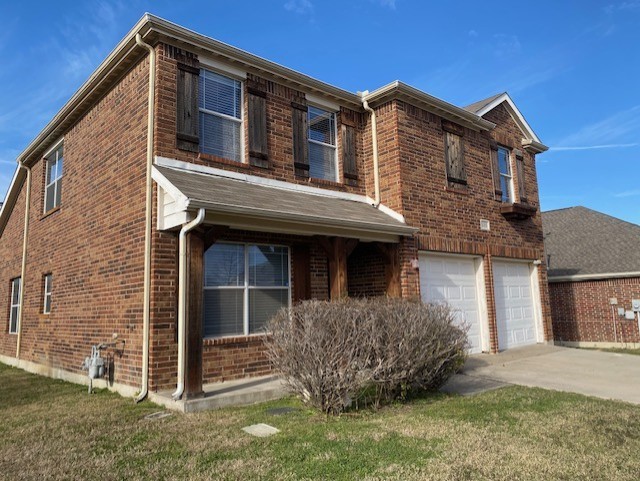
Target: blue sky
572,67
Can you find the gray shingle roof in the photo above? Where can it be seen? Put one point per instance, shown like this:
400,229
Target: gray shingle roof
480,104
231,196
581,241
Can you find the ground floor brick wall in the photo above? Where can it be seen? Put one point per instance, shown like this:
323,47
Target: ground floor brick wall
366,271
581,311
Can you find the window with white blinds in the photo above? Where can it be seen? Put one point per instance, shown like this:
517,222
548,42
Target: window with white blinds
14,312
322,144
244,286
53,184
220,104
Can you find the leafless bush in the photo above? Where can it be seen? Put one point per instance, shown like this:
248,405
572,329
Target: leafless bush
332,352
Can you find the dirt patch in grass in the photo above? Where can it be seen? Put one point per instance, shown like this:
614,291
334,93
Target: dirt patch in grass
54,430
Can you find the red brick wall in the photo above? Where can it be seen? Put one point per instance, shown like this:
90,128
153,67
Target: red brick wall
366,271
92,245
581,310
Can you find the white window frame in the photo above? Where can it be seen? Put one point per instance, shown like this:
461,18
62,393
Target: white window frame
508,176
55,183
12,305
246,287
48,282
232,74
317,142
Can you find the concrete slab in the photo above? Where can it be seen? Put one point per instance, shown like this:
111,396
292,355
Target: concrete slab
231,393
470,385
261,430
594,373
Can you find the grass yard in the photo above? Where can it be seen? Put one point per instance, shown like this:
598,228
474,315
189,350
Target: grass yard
635,352
54,430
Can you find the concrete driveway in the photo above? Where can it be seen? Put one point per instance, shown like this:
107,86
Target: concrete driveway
594,373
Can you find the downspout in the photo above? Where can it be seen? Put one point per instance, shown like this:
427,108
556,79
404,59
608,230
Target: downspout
374,141
148,213
24,255
182,299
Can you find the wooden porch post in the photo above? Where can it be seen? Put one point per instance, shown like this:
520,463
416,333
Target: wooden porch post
391,254
338,250
195,282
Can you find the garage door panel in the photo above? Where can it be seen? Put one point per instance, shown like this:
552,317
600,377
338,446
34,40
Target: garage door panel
452,280
515,315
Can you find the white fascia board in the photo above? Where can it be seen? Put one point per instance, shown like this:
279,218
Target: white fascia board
182,202
222,67
322,102
515,114
593,277
435,104
11,197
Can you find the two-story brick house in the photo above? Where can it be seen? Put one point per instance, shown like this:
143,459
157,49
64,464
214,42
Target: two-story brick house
190,189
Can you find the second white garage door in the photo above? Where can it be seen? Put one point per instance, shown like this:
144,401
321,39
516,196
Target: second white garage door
515,313
453,279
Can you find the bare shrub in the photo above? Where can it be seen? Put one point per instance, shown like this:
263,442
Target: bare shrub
332,352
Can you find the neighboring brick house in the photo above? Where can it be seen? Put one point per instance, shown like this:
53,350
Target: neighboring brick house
265,192
593,261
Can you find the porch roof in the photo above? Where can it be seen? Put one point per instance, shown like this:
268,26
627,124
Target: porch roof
253,203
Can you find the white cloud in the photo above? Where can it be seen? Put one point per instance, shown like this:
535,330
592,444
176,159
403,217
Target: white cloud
628,193
301,7
506,45
611,130
593,147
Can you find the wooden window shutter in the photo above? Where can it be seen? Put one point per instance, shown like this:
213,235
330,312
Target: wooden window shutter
300,145
187,129
495,168
520,174
258,148
301,270
454,153
349,152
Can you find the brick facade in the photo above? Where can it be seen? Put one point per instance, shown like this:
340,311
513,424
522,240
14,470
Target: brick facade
94,243
581,311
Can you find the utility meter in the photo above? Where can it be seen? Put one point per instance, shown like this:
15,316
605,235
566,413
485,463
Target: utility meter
635,305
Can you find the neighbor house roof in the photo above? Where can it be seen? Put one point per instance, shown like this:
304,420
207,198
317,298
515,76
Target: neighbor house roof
583,244
240,201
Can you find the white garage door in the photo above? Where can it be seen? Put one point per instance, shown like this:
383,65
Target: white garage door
452,279
515,314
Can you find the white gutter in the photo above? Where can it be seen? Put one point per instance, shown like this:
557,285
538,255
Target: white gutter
24,256
594,277
182,294
374,141
144,389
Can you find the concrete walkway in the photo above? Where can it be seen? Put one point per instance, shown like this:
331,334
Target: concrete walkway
594,373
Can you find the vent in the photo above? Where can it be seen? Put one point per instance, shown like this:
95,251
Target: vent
485,225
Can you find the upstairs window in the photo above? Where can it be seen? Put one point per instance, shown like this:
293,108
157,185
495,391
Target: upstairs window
220,106
46,306
53,185
244,286
322,144
506,178
454,158
14,312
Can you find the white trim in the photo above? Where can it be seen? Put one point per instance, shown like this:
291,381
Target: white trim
515,114
12,305
598,344
55,147
321,102
334,146
593,277
48,281
223,68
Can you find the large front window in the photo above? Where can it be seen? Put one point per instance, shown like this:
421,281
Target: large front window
322,144
506,179
53,184
244,286
220,103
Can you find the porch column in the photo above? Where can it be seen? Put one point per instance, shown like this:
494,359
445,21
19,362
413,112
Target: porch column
337,250
195,282
391,254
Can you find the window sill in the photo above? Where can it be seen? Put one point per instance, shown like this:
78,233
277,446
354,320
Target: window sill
457,189
518,211
222,341
223,161
321,182
50,212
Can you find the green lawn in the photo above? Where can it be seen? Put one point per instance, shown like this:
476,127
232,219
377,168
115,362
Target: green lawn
54,430
635,352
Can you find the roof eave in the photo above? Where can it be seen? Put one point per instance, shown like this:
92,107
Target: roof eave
534,147
422,99
593,277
